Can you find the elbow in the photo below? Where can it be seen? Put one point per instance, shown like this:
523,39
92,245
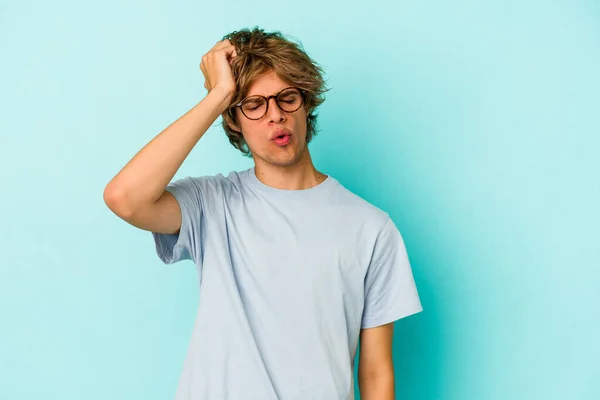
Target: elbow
376,383
115,200
378,387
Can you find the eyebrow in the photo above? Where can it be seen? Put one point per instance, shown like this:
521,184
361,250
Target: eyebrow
272,94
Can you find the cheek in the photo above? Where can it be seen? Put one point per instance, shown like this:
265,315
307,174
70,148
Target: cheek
302,126
253,135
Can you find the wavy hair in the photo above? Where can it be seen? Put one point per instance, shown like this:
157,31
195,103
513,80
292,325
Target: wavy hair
259,52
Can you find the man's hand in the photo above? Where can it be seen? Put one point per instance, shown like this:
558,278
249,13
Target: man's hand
216,67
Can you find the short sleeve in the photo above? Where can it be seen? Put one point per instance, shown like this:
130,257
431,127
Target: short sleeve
187,244
390,290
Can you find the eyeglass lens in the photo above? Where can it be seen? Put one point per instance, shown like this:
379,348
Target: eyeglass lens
255,107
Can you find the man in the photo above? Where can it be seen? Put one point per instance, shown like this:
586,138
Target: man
293,267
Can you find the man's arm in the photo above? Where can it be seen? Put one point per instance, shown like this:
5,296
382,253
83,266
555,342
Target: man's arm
137,193
375,365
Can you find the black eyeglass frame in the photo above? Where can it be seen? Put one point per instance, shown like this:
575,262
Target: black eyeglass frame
267,99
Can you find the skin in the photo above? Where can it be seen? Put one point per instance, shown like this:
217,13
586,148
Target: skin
375,363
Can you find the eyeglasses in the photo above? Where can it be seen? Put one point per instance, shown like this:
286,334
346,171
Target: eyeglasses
288,99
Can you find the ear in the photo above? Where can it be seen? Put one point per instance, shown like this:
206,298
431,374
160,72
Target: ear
230,122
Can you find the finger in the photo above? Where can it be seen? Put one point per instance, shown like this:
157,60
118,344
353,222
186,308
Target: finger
206,83
221,44
229,51
233,55
226,50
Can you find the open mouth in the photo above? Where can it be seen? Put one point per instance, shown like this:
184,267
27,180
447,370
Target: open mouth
282,140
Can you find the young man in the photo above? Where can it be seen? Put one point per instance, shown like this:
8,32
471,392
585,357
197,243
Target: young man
293,267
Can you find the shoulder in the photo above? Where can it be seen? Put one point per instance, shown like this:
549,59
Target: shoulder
355,206
216,185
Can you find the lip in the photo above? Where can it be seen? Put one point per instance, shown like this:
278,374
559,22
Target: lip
282,140
280,132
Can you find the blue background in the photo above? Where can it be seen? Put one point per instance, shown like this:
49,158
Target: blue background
475,124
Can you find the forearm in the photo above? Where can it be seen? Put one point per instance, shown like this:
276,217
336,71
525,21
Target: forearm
376,386
145,177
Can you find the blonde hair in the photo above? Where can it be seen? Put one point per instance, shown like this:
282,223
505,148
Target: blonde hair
259,52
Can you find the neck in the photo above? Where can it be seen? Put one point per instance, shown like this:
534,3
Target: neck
300,176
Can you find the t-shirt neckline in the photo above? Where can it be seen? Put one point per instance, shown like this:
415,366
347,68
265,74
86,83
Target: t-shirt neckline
255,182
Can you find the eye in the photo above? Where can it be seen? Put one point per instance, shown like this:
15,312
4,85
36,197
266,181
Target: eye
289,97
253,104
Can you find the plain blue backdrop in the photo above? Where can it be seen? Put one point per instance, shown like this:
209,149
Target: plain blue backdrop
475,124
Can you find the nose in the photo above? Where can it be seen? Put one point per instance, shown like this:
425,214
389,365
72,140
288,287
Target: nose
274,113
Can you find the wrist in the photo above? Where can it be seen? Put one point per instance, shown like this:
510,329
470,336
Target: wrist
221,97
223,92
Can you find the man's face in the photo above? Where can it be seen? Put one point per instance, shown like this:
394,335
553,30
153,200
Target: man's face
261,134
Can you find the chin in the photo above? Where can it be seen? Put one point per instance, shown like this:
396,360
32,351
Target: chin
282,161
287,159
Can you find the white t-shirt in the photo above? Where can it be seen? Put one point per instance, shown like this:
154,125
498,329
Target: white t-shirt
287,280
